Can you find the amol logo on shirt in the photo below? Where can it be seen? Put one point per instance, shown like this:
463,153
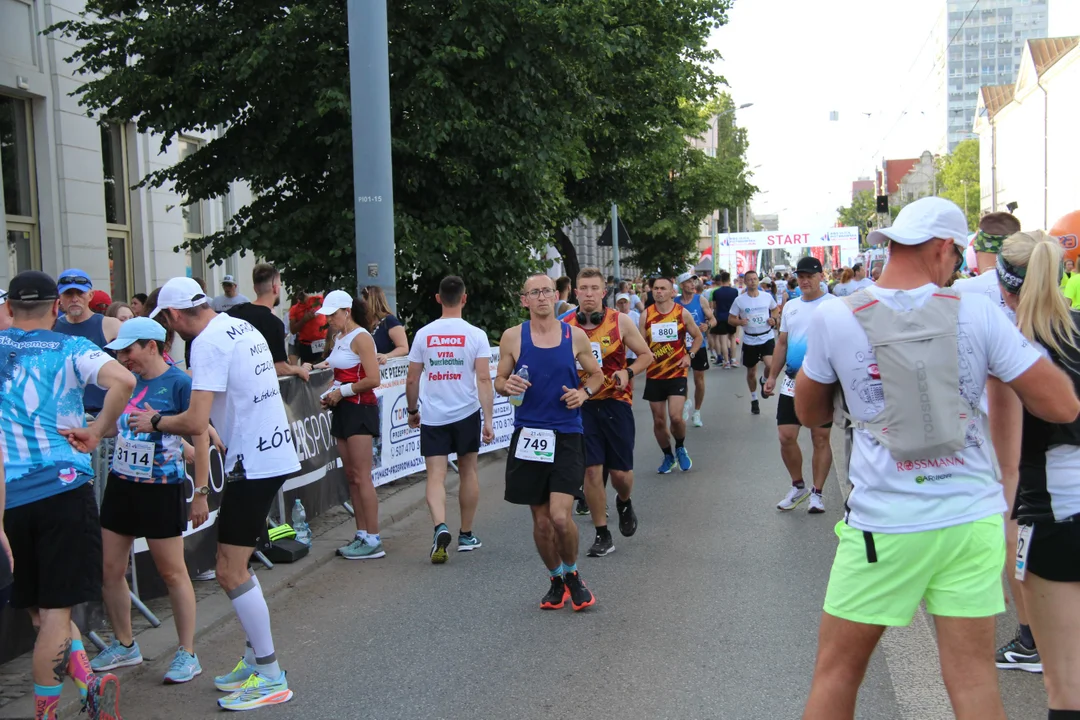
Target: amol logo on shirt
456,341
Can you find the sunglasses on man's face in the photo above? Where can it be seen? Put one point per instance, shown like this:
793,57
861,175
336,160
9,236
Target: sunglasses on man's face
75,280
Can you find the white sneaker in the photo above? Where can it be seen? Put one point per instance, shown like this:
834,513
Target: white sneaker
816,505
687,410
697,419
794,497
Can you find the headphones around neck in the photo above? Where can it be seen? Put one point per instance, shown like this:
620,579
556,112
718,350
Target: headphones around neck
593,318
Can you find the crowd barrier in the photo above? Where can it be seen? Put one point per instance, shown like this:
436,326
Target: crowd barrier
320,483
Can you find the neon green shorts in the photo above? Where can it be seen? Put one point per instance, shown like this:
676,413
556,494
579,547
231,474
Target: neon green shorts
879,579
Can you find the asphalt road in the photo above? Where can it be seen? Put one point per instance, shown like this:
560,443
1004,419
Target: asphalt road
710,611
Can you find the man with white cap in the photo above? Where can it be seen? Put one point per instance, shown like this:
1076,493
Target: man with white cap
234,384
924,518
229,297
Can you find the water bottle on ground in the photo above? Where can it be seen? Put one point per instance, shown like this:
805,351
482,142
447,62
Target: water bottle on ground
523,373
299,523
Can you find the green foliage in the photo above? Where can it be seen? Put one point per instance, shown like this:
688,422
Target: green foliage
509,118
863,210
958,179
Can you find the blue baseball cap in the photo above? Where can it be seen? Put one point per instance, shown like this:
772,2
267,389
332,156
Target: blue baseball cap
75,279
138,328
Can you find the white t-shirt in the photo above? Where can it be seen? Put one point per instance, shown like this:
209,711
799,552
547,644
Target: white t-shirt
222,302
795,321
898,497
636,317
844,289
231,359
864,283
986,284
448,349
757,311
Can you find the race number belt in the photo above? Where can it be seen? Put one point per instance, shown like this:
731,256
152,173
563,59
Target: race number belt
757,334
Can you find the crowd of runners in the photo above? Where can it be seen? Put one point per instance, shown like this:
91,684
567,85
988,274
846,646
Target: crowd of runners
960,396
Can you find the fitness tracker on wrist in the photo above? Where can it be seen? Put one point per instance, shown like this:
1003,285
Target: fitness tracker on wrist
155,420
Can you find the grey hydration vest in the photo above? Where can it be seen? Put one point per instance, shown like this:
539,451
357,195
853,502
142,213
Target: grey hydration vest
925,416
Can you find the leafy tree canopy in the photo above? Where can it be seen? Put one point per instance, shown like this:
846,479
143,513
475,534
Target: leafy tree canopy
509,118
958,179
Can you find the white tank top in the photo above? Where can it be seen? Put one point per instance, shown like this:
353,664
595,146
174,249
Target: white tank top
347,366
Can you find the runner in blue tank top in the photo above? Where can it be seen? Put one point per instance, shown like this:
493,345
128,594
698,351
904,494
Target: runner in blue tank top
546,466
699,362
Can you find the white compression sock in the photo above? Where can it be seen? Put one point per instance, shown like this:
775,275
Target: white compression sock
254,616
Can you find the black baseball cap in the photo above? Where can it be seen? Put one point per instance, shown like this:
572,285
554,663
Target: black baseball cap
32,286
809,264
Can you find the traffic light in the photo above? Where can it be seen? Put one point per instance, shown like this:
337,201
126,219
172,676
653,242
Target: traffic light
883,203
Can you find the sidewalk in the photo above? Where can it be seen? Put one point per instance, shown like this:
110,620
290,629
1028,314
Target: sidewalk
331,530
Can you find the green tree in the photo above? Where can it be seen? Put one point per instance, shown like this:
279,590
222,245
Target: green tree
958,180
862,213
509,117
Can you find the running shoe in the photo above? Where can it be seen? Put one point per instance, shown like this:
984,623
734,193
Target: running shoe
116,656
687,410
795,495
601,546
685,463
362,550
102,697
258,692
697,419
1016,656
755,409
468,543
727,365
668,465
236,679
342,549
764,395
556,596
582,508
580,597
439,545
816,505
627,519
184,668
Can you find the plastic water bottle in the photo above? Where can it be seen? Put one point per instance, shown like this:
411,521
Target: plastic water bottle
299,523
523,373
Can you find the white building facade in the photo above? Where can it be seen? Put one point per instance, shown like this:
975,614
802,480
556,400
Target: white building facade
1028,143
65,197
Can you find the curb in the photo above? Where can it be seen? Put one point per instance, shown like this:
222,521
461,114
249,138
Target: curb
214,611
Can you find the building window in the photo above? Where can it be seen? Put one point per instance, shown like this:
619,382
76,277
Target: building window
20,185
117,216
193,217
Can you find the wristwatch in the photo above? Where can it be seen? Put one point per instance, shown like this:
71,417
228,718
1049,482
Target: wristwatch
204,490
415,411
588,391
155,420
629,374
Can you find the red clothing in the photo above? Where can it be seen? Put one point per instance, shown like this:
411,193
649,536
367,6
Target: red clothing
314,329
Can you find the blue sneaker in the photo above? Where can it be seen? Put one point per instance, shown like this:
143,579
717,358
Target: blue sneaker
685,463
184,668
116,656
236,679
468,543
258,692
668,465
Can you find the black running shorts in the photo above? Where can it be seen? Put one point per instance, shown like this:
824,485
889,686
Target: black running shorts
56,542
700,362
531,483
461,437
661,390
348,419
609,434
1055,547
723,327
244,506
785,410
150,510
753,354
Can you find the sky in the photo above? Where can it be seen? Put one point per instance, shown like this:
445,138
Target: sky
871,61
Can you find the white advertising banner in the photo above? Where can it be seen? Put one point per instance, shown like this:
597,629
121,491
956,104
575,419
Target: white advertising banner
397,451
742,251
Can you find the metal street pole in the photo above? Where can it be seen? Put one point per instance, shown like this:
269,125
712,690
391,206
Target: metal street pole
715,249
615,242
373,178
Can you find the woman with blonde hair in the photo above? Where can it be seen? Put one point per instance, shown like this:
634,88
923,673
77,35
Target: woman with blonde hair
388,332
846,284
1047,481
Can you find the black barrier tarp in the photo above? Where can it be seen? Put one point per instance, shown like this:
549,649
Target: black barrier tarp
320,484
